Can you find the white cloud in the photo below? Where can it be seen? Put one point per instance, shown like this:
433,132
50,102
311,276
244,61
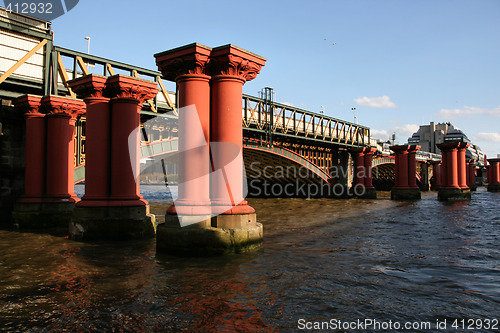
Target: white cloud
288,103
376,102
487,137
468,111
405,131
402,132
379,134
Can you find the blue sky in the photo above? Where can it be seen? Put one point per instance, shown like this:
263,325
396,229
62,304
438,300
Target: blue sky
399,63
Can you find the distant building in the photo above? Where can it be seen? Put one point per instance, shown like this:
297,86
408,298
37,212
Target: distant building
429,136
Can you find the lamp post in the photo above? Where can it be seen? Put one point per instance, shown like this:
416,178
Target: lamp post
355,118
88,44
88,49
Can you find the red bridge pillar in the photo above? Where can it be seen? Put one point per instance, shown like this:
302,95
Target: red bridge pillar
494,175
231,67
471,175
462,165
406,173
454,187
90,88
437,175
127,95
363,186
60,166
187,67
28,209
113,207
359,177
35,148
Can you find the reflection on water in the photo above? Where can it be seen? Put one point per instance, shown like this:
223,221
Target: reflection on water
322,259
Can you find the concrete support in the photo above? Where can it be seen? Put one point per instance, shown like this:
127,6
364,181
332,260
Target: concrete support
233,226
471,175
494,175
453,184
113,207
406,173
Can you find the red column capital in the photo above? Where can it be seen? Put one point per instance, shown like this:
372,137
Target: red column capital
89,86
400,148
29,104
448,146
130,88
359,151
191,59
463,145
232,61
63,106
413,148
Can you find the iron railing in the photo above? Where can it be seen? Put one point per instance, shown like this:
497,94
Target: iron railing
262,115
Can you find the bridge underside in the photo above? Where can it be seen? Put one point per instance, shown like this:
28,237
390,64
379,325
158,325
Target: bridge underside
383,176
271,175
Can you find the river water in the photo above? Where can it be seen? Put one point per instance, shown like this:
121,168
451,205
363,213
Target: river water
323,260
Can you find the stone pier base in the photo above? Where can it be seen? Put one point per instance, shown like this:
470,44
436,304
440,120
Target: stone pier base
112,223
454,194
406,194
369,193
219,235
493,188
41,215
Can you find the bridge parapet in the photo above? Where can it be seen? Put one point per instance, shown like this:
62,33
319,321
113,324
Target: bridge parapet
279,119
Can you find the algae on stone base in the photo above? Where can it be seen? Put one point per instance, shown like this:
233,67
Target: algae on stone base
112,223
454,195
223,234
